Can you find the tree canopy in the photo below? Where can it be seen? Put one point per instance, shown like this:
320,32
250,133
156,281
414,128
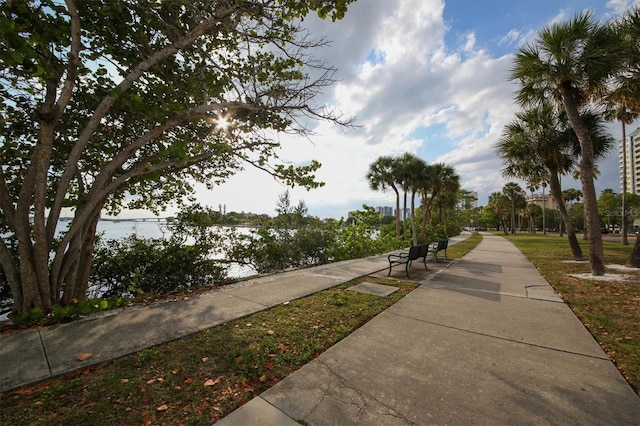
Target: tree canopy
112,104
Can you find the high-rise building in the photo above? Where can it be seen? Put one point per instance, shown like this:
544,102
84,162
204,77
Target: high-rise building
632,147
385,210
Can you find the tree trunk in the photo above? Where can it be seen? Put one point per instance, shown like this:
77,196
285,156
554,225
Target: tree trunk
397,212
634,258
413,219
625,238
556,192
544,213
425,217
596,252
513,214
404,212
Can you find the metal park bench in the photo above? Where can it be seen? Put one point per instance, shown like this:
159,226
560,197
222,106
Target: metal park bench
435,248
407,258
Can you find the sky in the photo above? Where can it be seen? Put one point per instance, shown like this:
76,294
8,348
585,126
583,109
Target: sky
428,77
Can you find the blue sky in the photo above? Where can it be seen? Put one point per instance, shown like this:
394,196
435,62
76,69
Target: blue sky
422,76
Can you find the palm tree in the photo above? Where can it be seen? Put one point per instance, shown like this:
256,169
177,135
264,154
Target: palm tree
513,192
442,179
570,62
416,170
623,101
532,211
381,177
406,169
536,144
502,205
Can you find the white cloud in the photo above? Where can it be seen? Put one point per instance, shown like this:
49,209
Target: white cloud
410,91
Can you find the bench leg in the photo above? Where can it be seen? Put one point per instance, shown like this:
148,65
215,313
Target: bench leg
407,269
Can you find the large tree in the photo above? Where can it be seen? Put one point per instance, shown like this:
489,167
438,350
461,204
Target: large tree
571,62
111,104
622,97
539,142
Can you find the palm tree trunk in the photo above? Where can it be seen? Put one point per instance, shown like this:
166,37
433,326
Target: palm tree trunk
544,208
397,212
413,220
634,258
596,252
556,192
625,239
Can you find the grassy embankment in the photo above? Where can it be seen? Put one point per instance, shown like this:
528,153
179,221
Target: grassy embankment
201,378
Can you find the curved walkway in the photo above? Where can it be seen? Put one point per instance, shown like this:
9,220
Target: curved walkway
483,340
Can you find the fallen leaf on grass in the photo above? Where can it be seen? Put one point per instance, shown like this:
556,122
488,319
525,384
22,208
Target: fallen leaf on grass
246,387
211,382
270,332
123,381
263,378
269,366
163,407
83,356
205,359
188,381
239,359
151,381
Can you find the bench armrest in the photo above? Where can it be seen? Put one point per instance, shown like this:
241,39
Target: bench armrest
398,255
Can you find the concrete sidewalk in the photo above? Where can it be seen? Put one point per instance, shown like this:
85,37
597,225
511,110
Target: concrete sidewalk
484,341
33,355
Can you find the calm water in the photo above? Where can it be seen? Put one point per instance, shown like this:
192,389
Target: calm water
152,229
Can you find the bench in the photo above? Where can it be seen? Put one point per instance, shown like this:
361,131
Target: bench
407,258
435,248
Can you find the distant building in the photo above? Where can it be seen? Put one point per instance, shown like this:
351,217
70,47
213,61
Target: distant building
632,147
408,213
547,201
385,210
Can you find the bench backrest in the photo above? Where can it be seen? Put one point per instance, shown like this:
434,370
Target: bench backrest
414,252
442,244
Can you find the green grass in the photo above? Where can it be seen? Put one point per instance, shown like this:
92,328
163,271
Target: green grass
609,310
201,378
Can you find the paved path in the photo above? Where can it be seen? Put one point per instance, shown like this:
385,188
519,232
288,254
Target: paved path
484,340
33,355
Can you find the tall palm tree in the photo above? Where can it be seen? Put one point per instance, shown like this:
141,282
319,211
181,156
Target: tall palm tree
572,61
381,177
623,101
502,205
534,142
442,179
513,192
415,169
406,168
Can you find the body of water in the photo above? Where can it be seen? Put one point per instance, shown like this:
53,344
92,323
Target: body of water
112,230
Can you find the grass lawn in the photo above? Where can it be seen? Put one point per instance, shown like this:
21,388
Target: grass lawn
201,378
609,309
